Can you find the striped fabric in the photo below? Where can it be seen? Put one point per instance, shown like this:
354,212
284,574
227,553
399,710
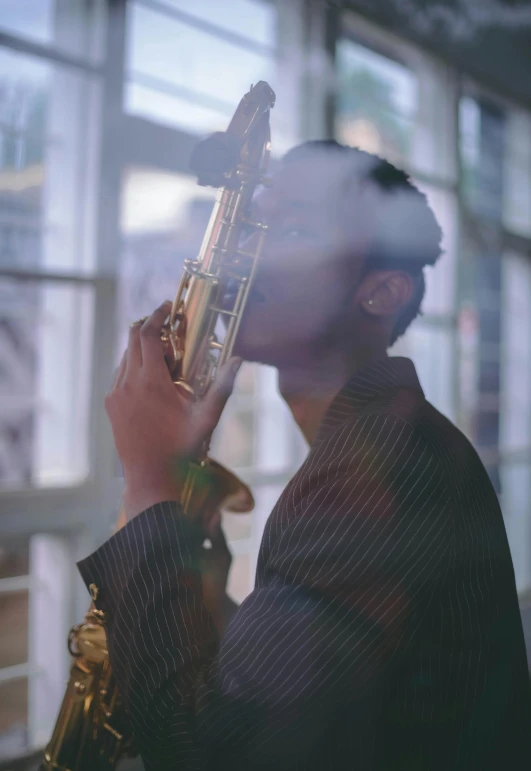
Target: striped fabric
383,632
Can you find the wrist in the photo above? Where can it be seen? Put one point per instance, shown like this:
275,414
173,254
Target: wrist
140,494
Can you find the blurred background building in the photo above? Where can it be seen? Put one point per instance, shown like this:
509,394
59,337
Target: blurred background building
101,102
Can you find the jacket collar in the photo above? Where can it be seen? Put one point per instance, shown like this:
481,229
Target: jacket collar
388,374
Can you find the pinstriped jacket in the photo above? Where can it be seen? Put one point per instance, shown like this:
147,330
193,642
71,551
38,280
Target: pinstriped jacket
383,633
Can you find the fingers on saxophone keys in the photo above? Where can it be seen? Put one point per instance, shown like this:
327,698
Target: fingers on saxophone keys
152,352
151,325
137,324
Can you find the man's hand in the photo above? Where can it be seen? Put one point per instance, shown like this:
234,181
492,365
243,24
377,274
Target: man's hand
154,425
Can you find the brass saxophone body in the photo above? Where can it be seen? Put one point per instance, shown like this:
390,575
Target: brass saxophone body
92,731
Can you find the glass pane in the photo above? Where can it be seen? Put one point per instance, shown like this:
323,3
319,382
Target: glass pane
46,153
469,135
435,141
253,19
14,623
234,438
164,217
237,527
14,558
45,380
170,110
241,580
441,278
13,718
33,19
266,497
206,88
431,348
276,446
515,418
517,182
482,144
74,26
516,498
376,104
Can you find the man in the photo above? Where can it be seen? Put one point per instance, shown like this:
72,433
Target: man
384,631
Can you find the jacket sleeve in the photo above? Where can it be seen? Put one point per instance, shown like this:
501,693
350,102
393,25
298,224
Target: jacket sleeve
346,582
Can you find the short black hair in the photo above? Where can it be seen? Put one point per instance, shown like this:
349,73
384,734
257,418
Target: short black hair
387,253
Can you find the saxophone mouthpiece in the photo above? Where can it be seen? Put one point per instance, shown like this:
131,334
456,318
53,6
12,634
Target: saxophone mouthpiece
215,157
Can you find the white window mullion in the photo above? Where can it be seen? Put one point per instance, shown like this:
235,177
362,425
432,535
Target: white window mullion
50,600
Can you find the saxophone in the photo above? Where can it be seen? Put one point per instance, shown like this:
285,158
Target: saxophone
92,732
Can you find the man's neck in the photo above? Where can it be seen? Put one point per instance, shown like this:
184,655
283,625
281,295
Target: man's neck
309,390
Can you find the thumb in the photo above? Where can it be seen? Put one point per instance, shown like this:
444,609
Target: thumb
219,392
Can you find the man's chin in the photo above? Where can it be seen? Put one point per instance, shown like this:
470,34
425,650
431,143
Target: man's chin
255,353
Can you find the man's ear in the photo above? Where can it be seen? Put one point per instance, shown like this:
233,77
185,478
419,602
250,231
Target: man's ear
386,292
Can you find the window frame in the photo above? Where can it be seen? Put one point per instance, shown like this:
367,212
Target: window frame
82,514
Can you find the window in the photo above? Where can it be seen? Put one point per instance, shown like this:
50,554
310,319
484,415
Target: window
50,288
196,84
482,139
46,218
250,20
377,99
441,279
74,273
73,27
396,106
14,618
45,335
46,227
517,180
164,216
515,411
35,574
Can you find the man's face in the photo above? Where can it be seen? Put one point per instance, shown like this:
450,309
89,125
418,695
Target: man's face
308,270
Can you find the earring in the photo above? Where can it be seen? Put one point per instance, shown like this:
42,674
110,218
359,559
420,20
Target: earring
370,302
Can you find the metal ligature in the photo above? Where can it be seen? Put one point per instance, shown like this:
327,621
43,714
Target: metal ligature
92,732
